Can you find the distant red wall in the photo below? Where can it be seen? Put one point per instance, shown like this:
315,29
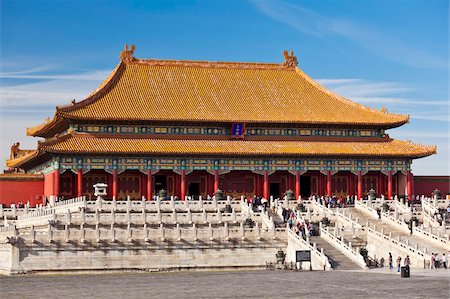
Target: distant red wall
48,186
425,185
15,191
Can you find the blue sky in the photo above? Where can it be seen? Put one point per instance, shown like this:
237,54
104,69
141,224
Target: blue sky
383,53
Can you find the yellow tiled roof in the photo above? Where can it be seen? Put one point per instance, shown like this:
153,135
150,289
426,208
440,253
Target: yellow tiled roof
167,90
11,163
81,143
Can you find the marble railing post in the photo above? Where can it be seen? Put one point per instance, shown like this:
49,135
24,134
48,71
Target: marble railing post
189,216
145,232
113,233
67,232
162,232
226,231
97,232
82,234
219,216
33,234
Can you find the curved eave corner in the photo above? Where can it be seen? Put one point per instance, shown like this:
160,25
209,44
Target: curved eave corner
42,129
18,162
393,119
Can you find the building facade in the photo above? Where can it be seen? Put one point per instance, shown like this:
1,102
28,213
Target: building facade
192,127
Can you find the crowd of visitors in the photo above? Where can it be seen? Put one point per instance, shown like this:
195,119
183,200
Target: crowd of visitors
437,262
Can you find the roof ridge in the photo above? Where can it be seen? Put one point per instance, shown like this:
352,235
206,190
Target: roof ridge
210,64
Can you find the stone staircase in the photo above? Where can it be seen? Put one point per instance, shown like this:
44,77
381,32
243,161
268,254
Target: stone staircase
337,260
278,222
413,240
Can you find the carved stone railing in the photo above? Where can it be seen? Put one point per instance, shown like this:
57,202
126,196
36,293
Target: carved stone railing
318,259
12,213
343,247
188,217
401,206
395,221
162,205
442,241
363,207
37,218
73,204
7,232
430,220
147,233
384,243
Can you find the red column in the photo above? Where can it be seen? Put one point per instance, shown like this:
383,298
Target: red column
216,180
56,183
382,184
149,185
80,182
389,188
183,184
297,184
409,187
359,184
378,189
266,184
351,179
114,184
328,183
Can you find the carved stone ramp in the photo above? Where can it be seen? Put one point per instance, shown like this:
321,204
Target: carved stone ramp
337,260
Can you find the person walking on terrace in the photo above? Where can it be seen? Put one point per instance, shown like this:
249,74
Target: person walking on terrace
399,263
444,261
390,261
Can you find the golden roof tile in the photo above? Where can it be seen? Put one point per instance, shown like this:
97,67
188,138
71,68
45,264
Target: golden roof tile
170,90
12,163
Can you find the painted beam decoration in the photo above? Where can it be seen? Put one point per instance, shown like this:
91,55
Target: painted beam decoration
225,164
237,130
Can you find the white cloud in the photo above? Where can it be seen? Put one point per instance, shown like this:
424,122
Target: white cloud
51,90
378,43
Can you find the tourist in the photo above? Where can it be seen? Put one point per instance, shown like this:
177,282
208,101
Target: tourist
432,261
311,229
407,261
436,261
290,222
390,261
444,261
399,263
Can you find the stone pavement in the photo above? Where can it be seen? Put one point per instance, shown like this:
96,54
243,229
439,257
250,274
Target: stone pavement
227,284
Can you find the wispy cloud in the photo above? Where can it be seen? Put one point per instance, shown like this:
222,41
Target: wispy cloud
48,89
89,76
379,43
372,92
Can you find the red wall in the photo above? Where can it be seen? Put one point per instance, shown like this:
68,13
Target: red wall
48,186
15,191
425,185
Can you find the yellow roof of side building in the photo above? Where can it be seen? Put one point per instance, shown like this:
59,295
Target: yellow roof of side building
198,91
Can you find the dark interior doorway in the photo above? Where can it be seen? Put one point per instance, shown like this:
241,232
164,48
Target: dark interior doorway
275,190
194,190
160,183
305,186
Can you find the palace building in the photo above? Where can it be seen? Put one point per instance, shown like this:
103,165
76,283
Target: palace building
192,127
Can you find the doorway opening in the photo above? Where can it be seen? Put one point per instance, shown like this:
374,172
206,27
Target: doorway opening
160,183
275,189
194,190
305,186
